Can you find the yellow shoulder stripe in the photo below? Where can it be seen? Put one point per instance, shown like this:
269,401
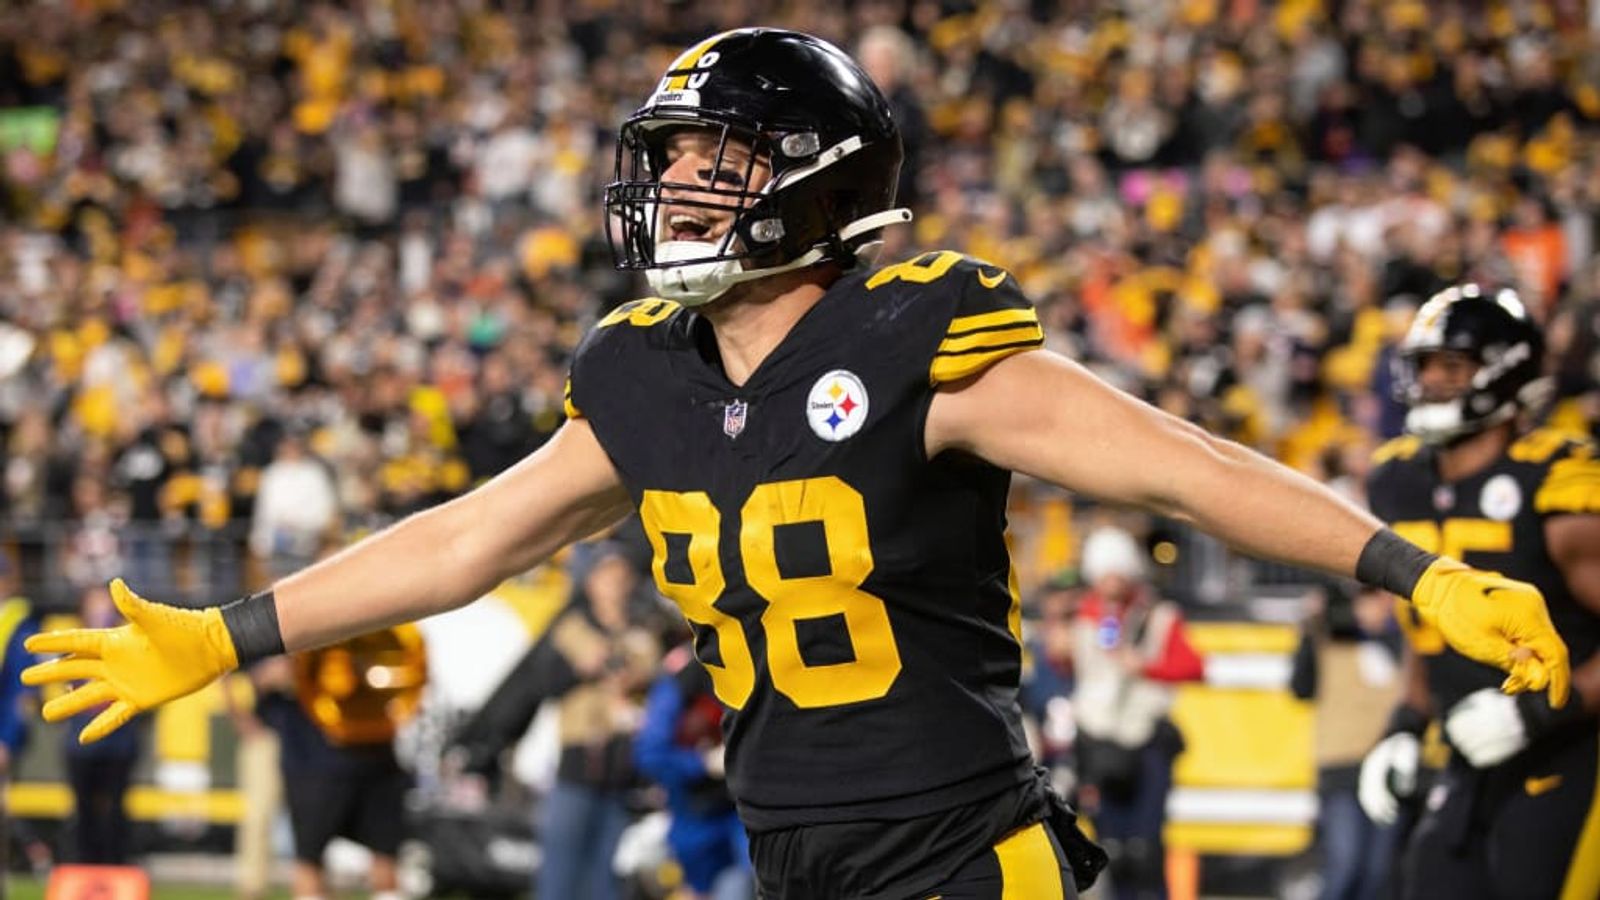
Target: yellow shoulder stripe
1573,486
567,404
1396,448
1027,332
962,325
954,367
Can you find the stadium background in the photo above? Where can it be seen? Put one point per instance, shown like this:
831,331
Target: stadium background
376,225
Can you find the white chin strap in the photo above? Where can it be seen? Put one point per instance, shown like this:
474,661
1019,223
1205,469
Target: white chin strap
693,283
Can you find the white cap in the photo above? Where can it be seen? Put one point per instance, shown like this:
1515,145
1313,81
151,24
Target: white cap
1111,551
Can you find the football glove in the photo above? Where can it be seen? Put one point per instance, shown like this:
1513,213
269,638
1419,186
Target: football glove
1493,619
162,653
1388,775
1488,727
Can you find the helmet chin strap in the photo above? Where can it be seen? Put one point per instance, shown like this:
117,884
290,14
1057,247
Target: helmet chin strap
698,283
691,272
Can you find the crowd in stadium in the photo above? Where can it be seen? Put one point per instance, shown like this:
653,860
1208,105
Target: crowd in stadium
274,274
376,226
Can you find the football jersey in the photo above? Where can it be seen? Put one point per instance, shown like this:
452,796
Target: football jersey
1492,520
852,599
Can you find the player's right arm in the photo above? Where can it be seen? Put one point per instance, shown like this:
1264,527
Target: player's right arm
1044,415
433,561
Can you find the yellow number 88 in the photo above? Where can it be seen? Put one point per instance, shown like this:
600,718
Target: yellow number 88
841,510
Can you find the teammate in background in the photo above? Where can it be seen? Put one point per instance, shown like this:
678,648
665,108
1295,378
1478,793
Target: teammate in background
820,454
1517,815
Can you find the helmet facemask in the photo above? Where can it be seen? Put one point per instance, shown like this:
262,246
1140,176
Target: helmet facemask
693,271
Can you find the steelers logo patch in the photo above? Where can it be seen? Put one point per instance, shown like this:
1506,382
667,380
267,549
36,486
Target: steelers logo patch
1501,498
837,406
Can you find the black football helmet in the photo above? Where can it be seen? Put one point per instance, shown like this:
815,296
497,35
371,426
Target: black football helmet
801,104
1494,329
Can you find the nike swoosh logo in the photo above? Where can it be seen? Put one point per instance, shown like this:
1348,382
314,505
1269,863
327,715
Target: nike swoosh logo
1537,786
991,281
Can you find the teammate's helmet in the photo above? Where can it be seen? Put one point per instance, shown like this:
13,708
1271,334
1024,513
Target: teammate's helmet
1496,332
802,104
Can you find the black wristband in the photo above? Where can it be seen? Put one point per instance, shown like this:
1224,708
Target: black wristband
1406,720
252,623
1393,563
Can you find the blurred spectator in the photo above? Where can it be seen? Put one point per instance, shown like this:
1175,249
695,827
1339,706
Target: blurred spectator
1348,666
259,778
680,747
1048,683
582,818
18,622
296,509
1129,652
332,790
100,772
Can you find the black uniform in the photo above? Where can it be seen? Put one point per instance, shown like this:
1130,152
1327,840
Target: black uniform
852,599
1529,827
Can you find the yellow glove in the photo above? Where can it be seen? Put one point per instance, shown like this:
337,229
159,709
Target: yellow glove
163,653
1498,621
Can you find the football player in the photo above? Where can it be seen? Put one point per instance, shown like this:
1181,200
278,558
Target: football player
1514,812
819,451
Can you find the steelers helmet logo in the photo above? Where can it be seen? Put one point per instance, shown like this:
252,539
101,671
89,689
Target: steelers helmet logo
837,406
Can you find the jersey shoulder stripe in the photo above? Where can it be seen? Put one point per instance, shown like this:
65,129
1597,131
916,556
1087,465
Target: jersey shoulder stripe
1572,484
991,319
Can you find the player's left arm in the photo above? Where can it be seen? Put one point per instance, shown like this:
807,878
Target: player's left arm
1041,414
1574,545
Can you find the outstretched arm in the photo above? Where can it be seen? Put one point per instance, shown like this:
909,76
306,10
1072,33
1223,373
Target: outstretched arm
431,562
452,554
1046,416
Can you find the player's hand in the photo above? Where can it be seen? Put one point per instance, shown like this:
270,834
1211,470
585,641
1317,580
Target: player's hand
1388,774
162,653
1488,727
1496,620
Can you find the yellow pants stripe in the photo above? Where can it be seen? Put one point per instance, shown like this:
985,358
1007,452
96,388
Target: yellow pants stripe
1583,875
1028,866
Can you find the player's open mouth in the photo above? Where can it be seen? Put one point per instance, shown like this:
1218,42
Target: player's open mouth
685,227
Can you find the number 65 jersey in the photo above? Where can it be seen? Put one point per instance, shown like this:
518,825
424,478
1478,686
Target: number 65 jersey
851,599
1493,519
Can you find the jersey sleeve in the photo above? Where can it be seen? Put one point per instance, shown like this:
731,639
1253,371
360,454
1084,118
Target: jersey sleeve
1572,483
598,365
987,319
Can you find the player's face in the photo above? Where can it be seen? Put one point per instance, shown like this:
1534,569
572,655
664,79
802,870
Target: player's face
692,159
1445,375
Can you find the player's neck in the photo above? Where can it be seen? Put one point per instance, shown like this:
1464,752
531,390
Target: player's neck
755,318
1474,454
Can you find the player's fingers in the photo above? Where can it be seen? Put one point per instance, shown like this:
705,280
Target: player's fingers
72,668
1513,685
84,642
73,702
1560,675
128,603
116,716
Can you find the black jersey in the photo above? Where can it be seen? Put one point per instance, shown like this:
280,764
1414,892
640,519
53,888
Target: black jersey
1493,520
852,599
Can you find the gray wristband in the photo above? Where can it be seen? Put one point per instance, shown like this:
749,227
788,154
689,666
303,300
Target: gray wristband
1393,563
252,623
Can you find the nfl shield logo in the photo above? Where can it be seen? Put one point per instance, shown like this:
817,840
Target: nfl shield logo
733,418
